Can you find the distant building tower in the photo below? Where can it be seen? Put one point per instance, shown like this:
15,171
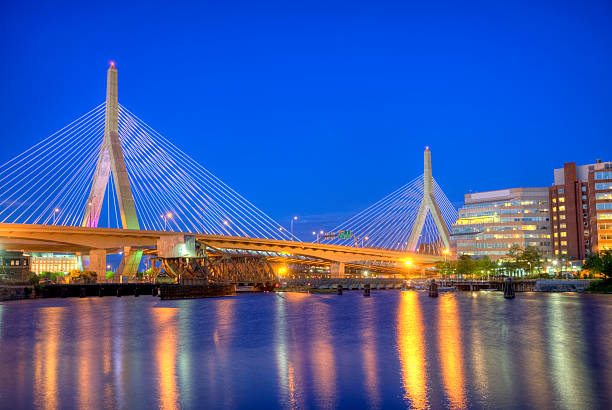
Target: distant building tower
581,209
428,204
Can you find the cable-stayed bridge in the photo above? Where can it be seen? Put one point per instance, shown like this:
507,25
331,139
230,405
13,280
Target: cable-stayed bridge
109,183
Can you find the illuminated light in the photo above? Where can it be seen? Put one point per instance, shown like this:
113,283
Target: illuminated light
295,218
321,232
225,223
314,233
408,262
112,63
56,210
169,215
446,251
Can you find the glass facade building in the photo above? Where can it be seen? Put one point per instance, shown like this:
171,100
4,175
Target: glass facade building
490,223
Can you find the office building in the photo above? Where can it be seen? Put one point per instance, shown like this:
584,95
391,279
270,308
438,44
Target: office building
490,223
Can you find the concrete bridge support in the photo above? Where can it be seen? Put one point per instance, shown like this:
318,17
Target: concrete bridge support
97,263
337,270
129,262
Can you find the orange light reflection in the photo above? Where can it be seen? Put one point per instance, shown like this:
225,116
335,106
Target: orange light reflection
411,349
167,340
451,361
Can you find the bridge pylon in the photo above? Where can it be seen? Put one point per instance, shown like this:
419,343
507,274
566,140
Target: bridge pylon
428,204
110,159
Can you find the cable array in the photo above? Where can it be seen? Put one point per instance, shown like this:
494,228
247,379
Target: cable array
388,223
50,184
166,181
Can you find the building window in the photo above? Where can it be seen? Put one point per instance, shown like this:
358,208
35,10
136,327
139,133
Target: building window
556,251
584,206
563,234
562,217
554,200
561,199
563,243
554,209
603,195
603,185
562,208
561,190
603,175
562,226
605,206
555,234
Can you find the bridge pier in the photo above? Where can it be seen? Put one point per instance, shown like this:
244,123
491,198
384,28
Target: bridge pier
337,270
129,262
97,263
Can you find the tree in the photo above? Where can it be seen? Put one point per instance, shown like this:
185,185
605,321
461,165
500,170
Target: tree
600,263
530,258
465,265
484,266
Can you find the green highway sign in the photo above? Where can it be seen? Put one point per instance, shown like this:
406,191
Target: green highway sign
344,234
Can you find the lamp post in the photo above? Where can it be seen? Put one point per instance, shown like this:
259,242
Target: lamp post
529,267
165,218
365,238
293,219
55,212
446,251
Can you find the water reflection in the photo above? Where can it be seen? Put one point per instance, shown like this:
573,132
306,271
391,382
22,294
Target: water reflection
411,349
46,358
222,362
369,357
322,356
308,351
571,378
284,367
165,349
451,355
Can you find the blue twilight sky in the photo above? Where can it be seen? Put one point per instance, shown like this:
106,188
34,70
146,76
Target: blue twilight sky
319,109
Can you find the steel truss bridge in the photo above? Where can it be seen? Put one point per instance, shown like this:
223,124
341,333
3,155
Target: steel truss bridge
109,183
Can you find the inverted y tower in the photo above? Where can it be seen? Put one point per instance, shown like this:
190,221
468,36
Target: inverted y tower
111,159
428,204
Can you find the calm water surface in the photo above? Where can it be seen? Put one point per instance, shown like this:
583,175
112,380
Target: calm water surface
392,350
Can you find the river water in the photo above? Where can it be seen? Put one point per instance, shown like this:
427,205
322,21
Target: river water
392,350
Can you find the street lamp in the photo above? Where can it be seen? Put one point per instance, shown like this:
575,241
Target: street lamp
293,219
365,238
165,218
55,212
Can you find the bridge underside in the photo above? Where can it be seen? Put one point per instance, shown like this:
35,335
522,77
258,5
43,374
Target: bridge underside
284,257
